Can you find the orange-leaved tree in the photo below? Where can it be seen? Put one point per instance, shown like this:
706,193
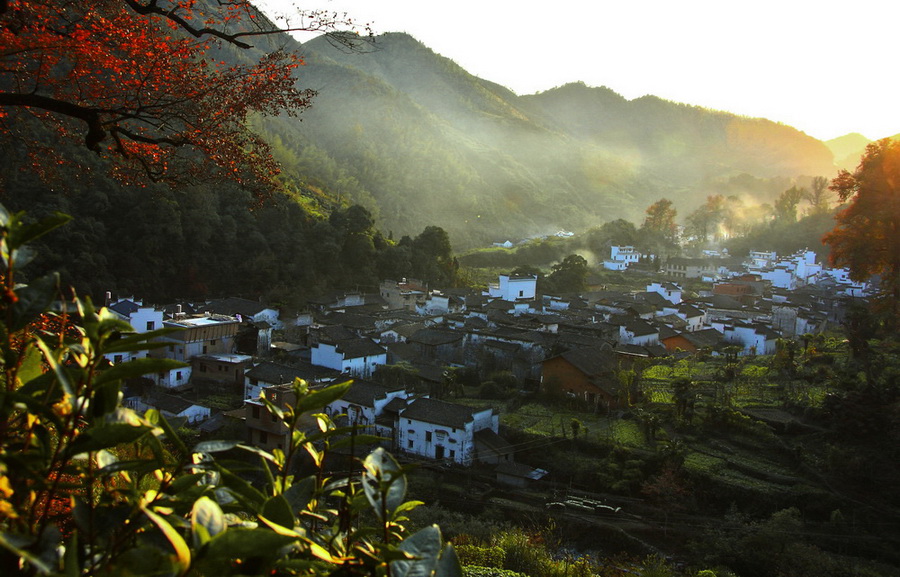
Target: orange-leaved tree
867,237
149,83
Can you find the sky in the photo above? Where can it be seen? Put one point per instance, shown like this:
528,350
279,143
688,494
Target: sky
826,67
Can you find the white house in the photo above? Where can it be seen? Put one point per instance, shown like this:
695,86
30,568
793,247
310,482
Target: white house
245,310
172,407
208,334
514,287
439,430
669,291
142,318
621,257
755,339
357,357
638,332
373,406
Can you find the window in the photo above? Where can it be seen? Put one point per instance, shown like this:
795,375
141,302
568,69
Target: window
427,436
409,444
263,437
202,367
151,325
178,376
117,359
255,411
452,453
213,342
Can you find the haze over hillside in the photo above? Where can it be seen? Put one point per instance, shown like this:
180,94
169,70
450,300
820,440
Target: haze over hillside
417,139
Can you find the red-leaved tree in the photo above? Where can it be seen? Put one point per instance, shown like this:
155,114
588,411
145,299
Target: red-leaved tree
867,237
151,84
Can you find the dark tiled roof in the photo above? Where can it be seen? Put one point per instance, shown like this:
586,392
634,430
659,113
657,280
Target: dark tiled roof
640,328
356,348
334,333
235,306
171,404
366,392
654,299
125,307
592,361
435,337
493,441
278,374
704,338
439,413
690,310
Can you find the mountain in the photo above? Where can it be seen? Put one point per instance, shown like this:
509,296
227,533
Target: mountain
847,149
415,138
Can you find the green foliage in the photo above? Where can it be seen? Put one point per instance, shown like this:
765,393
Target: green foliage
481,556
476,571
90,487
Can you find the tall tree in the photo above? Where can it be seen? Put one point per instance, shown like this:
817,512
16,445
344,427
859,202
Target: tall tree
568,276
786,204
660,220
817,196
147,83
867,237
705,221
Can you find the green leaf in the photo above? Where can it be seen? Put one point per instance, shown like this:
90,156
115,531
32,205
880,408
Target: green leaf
215,446
136,368
207,521
322,397
33,300
242,490
106,436
241,543
383,479
182,551
448,564
70,561
301,493
29,232
17,546
425,545
30,368
278,510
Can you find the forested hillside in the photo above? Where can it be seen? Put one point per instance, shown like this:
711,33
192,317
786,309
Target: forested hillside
416,139
422,145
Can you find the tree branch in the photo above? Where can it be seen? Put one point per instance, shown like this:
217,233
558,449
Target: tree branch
91,116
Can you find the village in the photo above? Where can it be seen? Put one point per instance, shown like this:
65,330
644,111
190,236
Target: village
570,345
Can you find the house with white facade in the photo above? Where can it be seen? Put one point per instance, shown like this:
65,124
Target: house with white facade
514,287
357,357
440,430
638,332
193,336
271,374
245,310
754,339
621,257
669,291
142,319
760,259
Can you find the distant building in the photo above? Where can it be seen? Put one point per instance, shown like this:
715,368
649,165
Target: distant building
621,257
439,430
514,287
403,295
194,336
